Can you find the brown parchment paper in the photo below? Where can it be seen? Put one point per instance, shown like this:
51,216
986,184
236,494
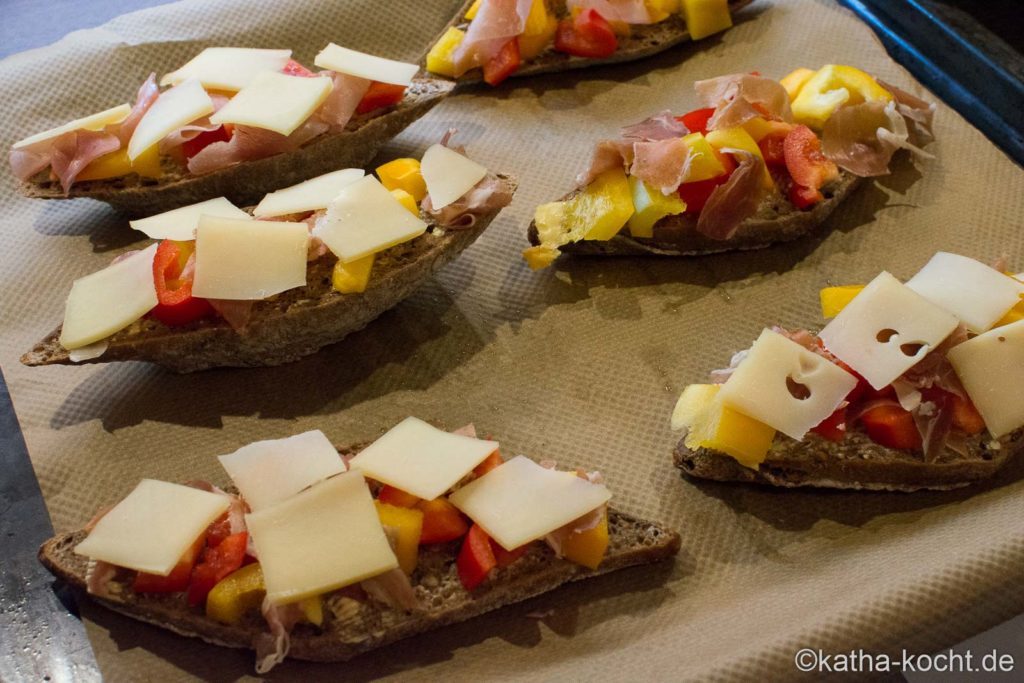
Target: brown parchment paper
582,363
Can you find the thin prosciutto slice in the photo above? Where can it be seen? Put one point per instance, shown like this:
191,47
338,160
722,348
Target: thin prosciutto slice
734,201
490,194
143,101
73,151
194,129
345,96
249,143
737,98
863,137
661,126
663,164
916,112
626,11
608,154
495,23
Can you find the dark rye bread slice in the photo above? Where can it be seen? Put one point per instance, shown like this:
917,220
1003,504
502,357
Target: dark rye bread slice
289,325
247,182
643,41
352,627
857,462
776,220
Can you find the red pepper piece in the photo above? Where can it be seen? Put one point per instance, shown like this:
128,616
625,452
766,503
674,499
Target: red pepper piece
176,305
772,149
506,557
804,197
833,427
696,121
966,417
174,582
293,68
493,460
476,558
380,95
503,64
397,497
218,530
587,35
217,563
804,159
892,427
442,521
192,147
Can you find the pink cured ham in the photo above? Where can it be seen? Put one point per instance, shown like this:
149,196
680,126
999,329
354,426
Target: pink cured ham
341,104
557,539
627,11
73,151
249,143
863,137
608,154
661,126
236,313
916,112
662,164
495,23
143,101
392,588
490,194
194,129
737,98
272,648
734,201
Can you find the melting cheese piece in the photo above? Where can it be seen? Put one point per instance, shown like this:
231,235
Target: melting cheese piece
228,68
365,218
520,501
94,122
421,459
276,102
267,472
173,109
109,300
247,259
311,195
968,289
886,329
991,368
785,386
153,526
181,223
324,538
346,61
448,175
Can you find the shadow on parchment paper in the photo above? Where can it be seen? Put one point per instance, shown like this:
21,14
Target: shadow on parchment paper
410,347
631,593
107,229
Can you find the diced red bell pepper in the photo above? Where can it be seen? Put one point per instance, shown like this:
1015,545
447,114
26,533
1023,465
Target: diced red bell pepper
892,426
966,417
380,95
833,427
177,580
476,558
192,147
696,121
293,68
503,64
217,563
804,160
493,460
803,197
218,530
397,497
442,521
587,35
176,305
506,557
772,149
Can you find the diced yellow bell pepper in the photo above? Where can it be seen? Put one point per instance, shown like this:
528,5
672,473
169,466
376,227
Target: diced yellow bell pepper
706,17
408,522
832,86
473,9
661,9
759,128
738,138
589,547
406,200
650,207
403,174
312,609
795,80
1017,312
835,299
540,256
603,207
705,164
116,164
718,427
539,31
352,277
439,59
236,594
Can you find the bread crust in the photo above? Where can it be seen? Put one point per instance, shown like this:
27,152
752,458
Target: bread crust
247,182
290,325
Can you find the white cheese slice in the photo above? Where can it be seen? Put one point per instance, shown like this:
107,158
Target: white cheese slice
248,260
970,290
365,218
153,526
275,101
315,193
173,109
886,329
991,368
346,61
785,386
228,68
448,175
520,501
267,472
421,459
327,537
180,224
94,122
84,353
109,300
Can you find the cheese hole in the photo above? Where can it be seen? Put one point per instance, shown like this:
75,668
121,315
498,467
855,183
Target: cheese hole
885,335
911,348
798,391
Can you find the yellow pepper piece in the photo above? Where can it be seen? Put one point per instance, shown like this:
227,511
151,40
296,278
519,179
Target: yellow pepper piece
408,523
759,128
706,17
832,86
540,256
352,277
650,207
738,138
795,80
439,59
661,9
705,164
406,200
473,9
718,427
539,31
236,594
312,609
403,174
603,207
589,547
835,299
116,165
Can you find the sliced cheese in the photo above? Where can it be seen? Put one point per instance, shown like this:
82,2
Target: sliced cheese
84,353
275,101
991,368
109,300
247,259
180,224
311,195
94,122
346,61
324,538
785,386
421,459
970,290
886,329
173,109
228,68
520,501
153,526
448,175
365,218
267,472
